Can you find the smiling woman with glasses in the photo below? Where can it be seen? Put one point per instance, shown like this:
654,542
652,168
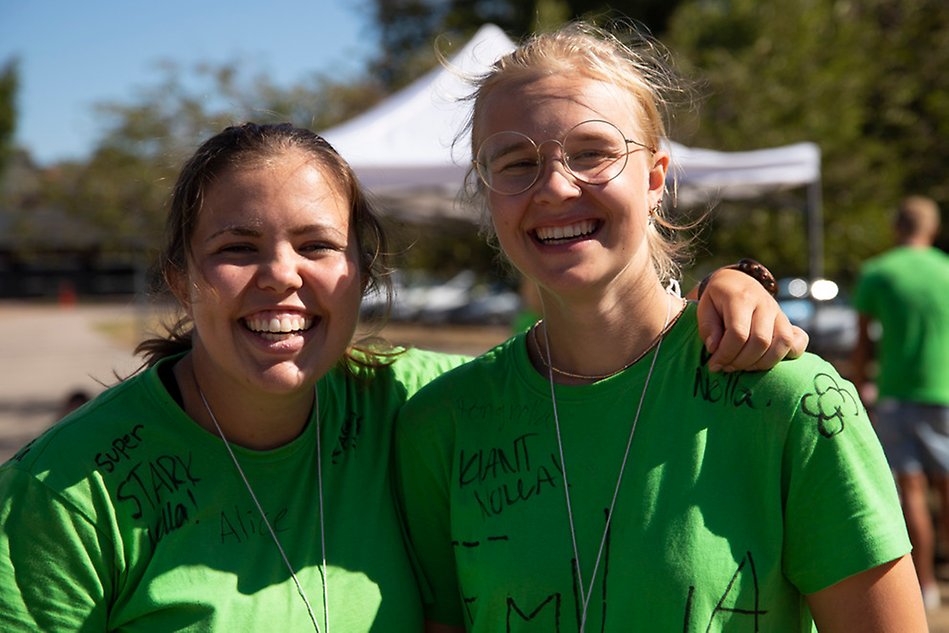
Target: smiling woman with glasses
596,472
594,152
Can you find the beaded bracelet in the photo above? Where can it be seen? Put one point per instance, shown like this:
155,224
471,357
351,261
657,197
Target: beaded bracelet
751,268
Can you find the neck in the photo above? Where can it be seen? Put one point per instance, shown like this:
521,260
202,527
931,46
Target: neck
594,343
246,419
916,242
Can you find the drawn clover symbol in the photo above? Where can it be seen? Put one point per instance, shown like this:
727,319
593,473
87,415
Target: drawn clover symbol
830,404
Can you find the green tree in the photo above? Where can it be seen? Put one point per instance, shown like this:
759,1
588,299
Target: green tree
862,78
408,29
121,190
9,84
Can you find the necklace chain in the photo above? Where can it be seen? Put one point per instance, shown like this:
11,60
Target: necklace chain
587,592
263,515
548,364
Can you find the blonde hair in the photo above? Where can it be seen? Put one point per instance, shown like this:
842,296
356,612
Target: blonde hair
638,65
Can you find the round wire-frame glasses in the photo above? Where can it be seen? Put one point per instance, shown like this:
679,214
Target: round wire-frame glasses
594,152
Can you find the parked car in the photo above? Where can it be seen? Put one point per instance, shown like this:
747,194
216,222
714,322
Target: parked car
494,304
462,299
819,309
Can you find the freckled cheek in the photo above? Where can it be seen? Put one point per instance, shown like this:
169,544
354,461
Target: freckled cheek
505,218
508,232
221,282
340,278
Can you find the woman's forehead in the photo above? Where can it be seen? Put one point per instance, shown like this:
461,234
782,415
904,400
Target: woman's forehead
553,104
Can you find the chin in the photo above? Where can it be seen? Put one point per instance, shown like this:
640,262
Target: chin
288,378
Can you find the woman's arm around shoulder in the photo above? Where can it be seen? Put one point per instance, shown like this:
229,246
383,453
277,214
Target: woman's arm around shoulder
742,325
884,599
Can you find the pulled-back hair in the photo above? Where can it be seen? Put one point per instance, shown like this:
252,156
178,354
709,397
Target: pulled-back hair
243,146
636,64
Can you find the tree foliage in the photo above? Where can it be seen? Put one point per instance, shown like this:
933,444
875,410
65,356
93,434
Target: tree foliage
861,78
120,192
407,30
9,83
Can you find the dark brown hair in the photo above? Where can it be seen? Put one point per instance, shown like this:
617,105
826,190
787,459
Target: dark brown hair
241,146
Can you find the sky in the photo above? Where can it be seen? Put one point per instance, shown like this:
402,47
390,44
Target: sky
76,53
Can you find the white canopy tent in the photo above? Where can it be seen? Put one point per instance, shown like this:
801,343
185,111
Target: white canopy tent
405,148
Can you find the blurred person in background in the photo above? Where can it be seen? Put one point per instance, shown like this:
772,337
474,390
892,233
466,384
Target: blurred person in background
73,400
906,291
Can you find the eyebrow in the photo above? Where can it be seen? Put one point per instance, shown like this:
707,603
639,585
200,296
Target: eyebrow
244,230
514,146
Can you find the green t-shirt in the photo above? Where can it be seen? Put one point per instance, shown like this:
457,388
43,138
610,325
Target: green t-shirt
907,291
129,516
741,493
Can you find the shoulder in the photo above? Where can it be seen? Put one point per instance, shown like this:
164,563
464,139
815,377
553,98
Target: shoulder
404,369
484,369
939,257
807,389
794,379
873,268
437,401
422,366
815,399
71,457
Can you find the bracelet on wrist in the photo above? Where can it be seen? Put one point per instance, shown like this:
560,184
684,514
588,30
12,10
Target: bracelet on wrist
753,269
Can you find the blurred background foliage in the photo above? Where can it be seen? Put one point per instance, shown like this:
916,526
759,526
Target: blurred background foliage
864,79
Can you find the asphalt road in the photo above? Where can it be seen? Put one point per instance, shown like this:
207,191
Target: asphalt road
47,351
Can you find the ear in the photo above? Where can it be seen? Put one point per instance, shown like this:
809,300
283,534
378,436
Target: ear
180,285
657,176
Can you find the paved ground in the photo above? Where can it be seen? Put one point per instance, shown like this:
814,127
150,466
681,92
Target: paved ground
47,351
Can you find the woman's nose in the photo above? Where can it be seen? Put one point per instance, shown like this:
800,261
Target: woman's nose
555,180
280,271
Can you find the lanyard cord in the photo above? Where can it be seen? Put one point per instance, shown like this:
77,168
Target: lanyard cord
273,534
586,593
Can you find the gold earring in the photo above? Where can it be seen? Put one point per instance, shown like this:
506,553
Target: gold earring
654,212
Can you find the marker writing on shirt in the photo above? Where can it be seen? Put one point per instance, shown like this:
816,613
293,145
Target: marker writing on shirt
120,449
508,474
242,524
728,605
148,483
720,388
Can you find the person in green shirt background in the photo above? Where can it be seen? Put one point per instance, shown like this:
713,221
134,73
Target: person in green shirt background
906,292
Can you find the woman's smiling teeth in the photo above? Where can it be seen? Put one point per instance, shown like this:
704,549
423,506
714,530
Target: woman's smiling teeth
276,327
550,234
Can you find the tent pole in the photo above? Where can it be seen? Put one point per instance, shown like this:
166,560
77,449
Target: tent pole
815,231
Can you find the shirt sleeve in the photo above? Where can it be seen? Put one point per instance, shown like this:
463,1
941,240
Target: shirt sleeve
52,560
842,510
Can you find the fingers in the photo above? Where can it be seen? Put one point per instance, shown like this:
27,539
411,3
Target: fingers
799,342
753,358
710,326
747,343
744,328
